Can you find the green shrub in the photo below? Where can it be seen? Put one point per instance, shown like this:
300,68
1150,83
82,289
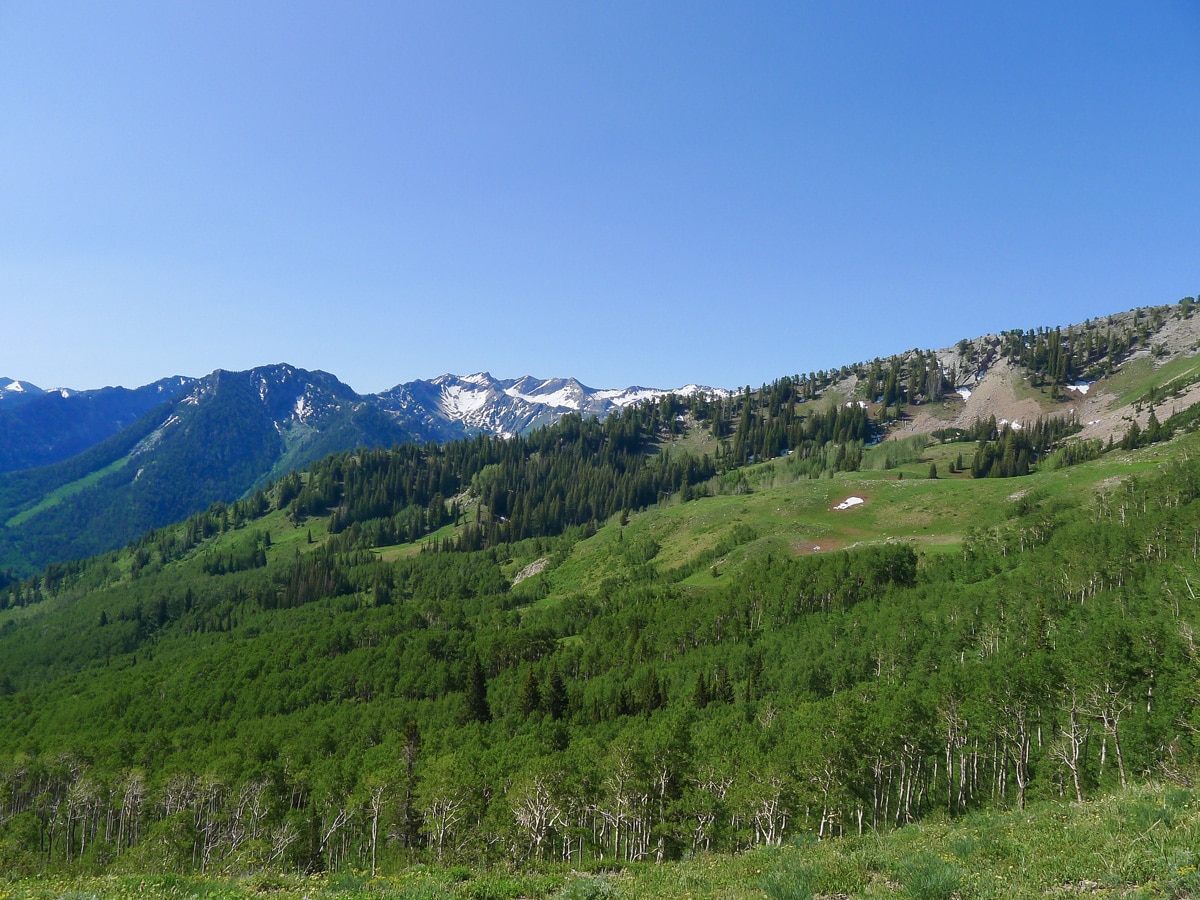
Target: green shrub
588,887
929,877
794,881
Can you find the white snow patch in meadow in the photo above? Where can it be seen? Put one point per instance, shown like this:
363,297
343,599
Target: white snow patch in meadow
963,392
849,502
1083,387
861,404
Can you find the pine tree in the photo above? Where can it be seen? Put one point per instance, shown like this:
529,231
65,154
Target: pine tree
477,709
1153,429
554,697
722,689
531,695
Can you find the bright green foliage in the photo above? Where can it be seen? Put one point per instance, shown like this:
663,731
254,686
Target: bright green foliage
226,697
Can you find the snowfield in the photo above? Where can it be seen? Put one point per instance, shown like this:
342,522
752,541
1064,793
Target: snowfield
564,398
460,402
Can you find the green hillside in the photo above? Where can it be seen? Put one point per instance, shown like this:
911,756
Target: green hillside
590,649
217,443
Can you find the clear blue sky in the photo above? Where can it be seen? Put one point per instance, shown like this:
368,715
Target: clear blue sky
627,192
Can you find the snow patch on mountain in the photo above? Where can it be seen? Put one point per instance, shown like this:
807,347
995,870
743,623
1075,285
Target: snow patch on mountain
15,393
564,398
452,405
461,402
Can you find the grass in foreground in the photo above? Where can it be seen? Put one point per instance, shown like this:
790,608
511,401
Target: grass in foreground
1141,843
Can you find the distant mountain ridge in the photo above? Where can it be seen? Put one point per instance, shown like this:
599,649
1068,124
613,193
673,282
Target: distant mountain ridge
40,427
460,406
219,438
147,457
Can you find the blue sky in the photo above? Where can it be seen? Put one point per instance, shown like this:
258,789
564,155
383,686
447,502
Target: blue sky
650,193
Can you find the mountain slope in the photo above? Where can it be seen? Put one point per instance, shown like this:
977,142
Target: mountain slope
16,393
226,434
1104,376
39,428
705,671
222,436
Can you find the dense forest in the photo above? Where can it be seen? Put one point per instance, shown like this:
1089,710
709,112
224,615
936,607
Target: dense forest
260,687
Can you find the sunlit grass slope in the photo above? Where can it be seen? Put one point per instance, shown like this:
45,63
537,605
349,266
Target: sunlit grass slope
1140,843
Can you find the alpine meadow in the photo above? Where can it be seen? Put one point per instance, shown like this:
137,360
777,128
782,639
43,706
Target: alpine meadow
919,626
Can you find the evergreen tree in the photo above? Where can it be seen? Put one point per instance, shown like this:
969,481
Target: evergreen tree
477,709
554,697
531,696
1153,429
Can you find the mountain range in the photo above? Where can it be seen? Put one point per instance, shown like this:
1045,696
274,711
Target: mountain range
83,472
86,471
916,589
39,427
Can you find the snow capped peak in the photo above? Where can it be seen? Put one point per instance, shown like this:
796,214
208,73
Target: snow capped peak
14,392
689,390
559,393
482,403
477,380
